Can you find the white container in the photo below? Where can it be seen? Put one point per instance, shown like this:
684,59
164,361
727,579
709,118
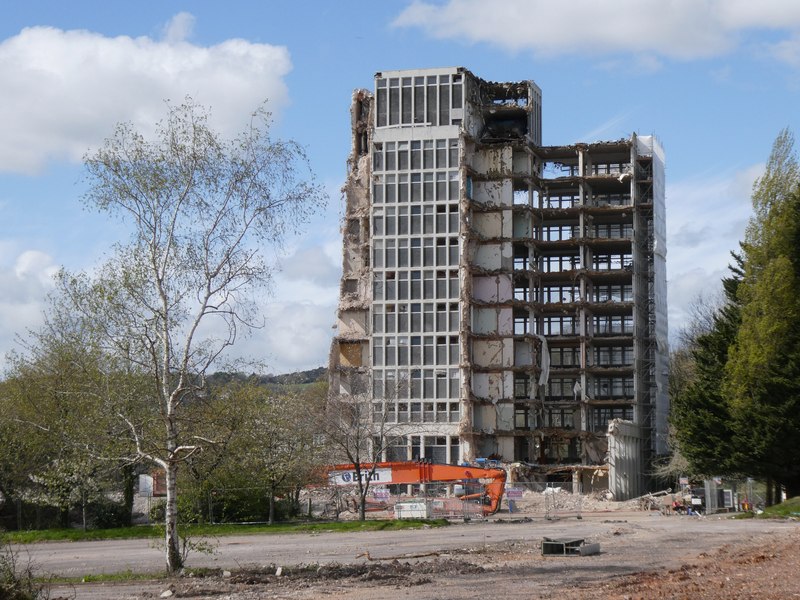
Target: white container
412,509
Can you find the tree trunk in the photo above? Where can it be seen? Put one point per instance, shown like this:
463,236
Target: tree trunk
362,505
83,510
271,506
770,499
174,559
128,480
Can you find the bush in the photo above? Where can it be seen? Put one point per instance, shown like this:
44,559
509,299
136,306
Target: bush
17,583
107,514
248,505
187,512
157,511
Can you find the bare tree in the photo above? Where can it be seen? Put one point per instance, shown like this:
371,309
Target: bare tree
202,210
358,431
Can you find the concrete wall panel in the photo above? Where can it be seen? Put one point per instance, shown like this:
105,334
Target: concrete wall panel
523,354
496,193
487,353
505,447
489,256
495,161
353,323
505,416
497,288
484,320
485,418
505,321
522,226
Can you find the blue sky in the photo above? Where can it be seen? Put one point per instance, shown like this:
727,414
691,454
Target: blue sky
715,80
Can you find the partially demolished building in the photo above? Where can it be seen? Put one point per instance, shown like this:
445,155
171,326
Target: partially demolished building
501,298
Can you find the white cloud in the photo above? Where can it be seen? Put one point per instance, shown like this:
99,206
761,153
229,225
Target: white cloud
681,29
296,319
686,289
706,219
23,287
297,336
179,28
312,264
787,51
64,90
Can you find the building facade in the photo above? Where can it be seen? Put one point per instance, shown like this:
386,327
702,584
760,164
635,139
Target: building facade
501,298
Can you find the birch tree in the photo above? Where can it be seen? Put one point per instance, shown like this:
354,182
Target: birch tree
204,212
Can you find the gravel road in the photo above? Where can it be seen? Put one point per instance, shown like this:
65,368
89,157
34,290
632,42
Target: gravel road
630,543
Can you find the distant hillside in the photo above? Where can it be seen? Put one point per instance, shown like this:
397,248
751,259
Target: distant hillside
297,378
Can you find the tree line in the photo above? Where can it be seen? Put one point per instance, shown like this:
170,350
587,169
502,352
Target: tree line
736,378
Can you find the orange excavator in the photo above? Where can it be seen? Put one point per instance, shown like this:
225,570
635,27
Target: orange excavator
410,472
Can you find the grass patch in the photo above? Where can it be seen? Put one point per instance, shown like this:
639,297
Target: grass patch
152,531
76,535
105,578
790,508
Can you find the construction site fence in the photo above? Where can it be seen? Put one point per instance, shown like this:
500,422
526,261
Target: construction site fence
552,500
524,499
443,501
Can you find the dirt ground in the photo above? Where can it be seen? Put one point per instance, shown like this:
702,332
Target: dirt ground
664,558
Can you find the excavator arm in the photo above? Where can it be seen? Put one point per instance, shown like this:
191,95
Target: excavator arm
411,472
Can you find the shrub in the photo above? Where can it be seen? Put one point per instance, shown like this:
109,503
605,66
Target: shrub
107,514
17,583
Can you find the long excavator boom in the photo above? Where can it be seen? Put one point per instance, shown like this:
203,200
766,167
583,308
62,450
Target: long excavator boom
409,472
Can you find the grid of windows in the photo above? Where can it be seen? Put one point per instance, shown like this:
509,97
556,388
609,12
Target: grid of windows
556,233
607,262
431,100
612,199
613,387
415,220
394,385
559,293
609,168
415,317
565,357
403,350
557,263
415,285
415,252
613,324
611,356
524,417
613,293
562,200
562,388
559,325
563,418
603,414
558,450
416,412
416,447
438,186
415,155
613,230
